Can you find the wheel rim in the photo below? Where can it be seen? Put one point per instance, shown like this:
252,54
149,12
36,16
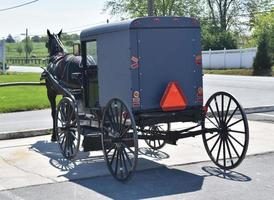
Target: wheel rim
226,147
67,128
154,130
119,140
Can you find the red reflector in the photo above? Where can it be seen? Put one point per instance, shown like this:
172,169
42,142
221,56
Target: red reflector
174,98
198,60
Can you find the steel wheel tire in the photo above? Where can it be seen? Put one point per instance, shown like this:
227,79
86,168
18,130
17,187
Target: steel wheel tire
228,146
119,140
67,128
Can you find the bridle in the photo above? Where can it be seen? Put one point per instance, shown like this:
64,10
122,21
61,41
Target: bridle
54,45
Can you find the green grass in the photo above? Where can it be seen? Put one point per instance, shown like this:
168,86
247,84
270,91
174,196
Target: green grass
20,77
240,72
21,98
39,50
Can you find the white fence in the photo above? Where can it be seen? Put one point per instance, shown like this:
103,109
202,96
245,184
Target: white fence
233,58
2,55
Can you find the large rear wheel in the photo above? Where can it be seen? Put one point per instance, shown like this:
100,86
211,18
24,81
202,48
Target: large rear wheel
119,139
228,145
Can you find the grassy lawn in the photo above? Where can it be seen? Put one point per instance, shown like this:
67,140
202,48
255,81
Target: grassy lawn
241,72
21,98
39,50
20,77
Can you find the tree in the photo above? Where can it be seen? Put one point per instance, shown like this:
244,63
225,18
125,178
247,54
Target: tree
254,7
262,62
28,46
19,48
138,8
36,38
264,24
218,40
10,39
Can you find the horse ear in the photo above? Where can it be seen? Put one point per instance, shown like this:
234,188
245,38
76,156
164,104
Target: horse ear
60,33
48,32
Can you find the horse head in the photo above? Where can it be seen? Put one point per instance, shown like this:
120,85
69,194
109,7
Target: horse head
54,44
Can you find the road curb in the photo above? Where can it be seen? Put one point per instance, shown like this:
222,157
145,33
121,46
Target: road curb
259,109
23,134
40,132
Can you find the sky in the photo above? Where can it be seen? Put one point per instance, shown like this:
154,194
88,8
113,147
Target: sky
69,15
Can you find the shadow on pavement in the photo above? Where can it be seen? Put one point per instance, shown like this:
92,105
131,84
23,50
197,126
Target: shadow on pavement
155,180
225,174
150,183
156,154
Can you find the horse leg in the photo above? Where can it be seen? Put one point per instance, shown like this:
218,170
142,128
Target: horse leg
52,99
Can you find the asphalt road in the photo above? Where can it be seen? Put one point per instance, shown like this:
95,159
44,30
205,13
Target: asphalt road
249,91
253,179
25,69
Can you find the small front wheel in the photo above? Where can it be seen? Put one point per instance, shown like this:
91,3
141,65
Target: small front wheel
119,139
153,130
226,146
67,128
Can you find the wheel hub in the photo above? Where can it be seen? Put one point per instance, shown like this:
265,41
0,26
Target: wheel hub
223,131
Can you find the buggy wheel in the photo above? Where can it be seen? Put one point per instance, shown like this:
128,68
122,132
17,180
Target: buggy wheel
119,139
226,147
154,130
67,128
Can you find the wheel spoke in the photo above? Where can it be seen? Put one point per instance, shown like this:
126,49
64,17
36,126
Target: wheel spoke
235,140
213,114
121,168
128,159
227,110
224,153
211,121
124,161
113,156
234,131
235,123
229,152
116,164
215,144
219,150
233,147
121,118
217,107
110,121
128,148
222,107
111,149
232,115
212,137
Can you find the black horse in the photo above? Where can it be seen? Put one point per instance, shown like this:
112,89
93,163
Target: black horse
61,66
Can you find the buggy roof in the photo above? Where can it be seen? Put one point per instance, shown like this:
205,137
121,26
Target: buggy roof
139,23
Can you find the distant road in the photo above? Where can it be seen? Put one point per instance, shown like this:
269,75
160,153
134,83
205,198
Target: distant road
24,69
248,90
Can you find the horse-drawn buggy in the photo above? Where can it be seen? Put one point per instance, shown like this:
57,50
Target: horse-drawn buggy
135,80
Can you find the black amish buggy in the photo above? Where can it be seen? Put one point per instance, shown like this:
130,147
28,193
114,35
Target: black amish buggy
145,78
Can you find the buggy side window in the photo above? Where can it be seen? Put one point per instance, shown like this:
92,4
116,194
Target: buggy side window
91,52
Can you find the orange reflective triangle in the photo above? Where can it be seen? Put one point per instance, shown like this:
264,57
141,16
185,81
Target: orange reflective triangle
173,98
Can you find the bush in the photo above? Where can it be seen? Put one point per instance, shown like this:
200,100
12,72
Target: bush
262,62
218,40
